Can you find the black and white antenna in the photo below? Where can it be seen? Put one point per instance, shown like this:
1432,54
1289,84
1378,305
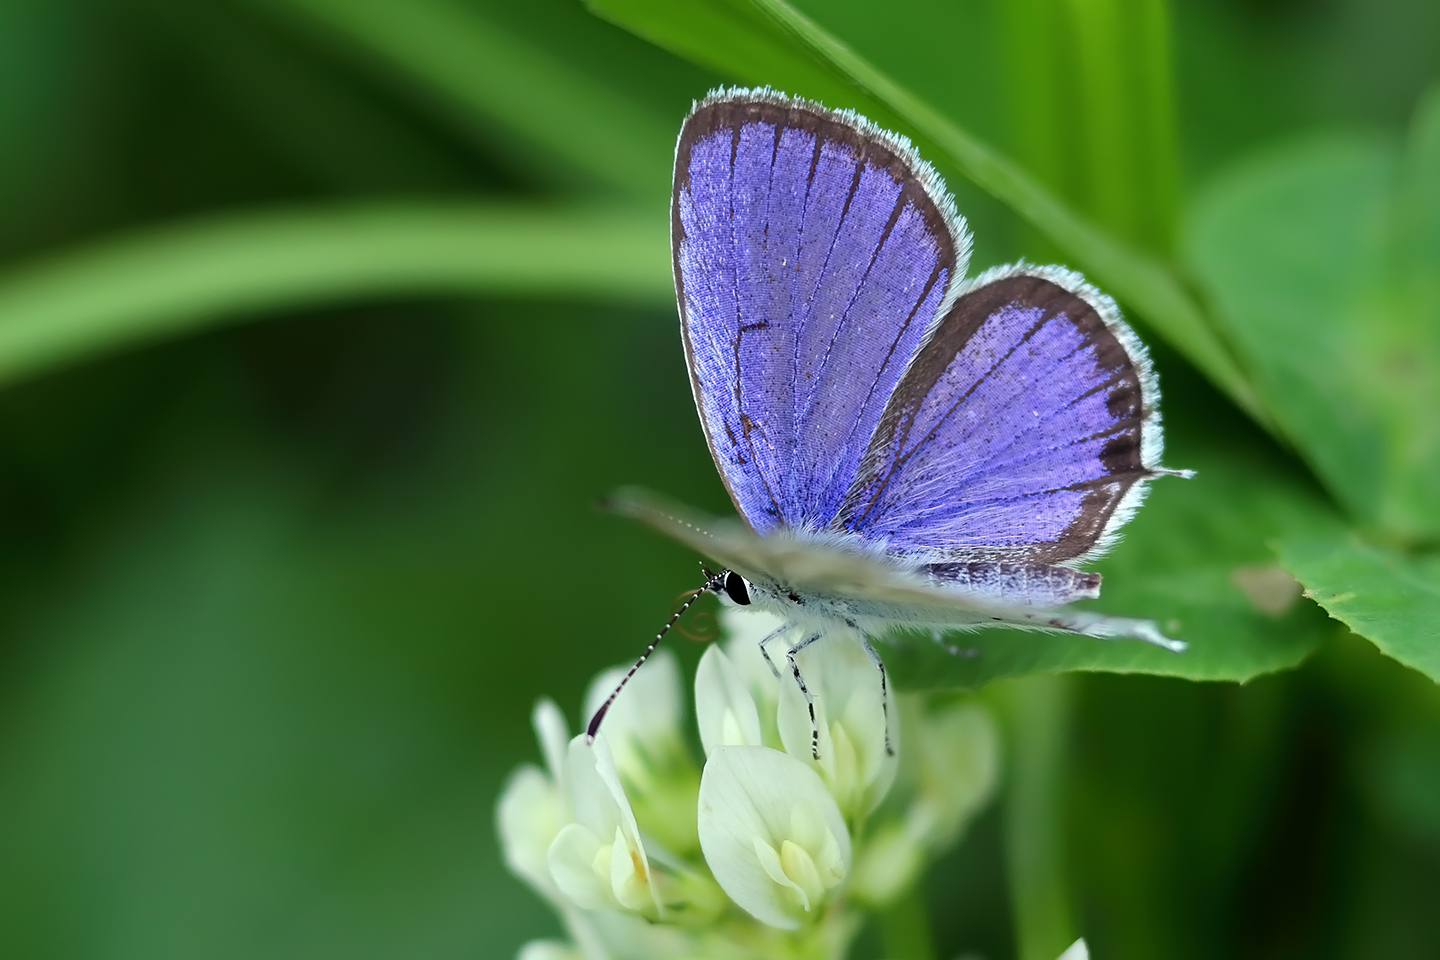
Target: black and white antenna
714,583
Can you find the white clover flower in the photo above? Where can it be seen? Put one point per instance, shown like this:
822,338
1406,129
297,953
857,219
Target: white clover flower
772,834
850,717
1076,951
598,861
641,850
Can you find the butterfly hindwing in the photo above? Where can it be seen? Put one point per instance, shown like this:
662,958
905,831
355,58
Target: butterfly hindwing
1022,432
812,252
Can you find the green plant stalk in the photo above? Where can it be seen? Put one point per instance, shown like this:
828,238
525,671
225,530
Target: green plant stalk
905,928
190,276
1145,283
1037,710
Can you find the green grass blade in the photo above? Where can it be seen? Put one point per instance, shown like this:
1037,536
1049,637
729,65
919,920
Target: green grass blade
1032,34
1126,128
486,70
1155,107
760,45
168,281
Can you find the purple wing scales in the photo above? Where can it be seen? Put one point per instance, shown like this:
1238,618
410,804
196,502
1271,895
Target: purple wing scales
1023,431
812,253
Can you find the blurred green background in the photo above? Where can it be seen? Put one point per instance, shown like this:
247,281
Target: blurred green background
325,323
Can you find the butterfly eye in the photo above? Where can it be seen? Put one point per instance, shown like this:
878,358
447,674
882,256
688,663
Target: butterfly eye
737,589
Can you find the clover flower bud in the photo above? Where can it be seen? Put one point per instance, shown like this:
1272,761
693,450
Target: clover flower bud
643,728
771,833
956,757
598,861
643,724
851,720
888,866
724,709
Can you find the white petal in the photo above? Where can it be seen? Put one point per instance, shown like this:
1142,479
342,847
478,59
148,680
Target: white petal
744,628
724,709
605,768
775,870
629,875
800,867
529,815
548,950
750,793
553,733
572,861
592,803
617,935
1077,951
809,829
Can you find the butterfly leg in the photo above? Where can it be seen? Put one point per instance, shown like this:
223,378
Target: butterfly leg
765,643
805,691
884,691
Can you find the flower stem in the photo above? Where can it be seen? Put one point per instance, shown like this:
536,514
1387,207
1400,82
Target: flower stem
905,928
1037,711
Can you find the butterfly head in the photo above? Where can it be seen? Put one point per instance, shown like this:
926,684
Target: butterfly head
727,584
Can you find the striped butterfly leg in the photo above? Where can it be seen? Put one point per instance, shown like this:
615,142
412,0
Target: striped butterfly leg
884,691
870,651
805,690
765,642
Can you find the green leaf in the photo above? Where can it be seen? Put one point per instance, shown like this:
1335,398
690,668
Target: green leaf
769,42
1323,260
479,66
163,282
1391,598
1185,562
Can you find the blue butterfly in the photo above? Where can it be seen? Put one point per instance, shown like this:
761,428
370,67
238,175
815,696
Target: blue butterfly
904,446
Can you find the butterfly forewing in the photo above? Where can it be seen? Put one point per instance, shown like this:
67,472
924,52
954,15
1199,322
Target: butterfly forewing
812,252
1022,431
